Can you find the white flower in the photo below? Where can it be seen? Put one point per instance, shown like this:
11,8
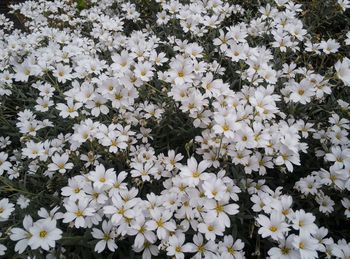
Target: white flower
22,235
288,158
193,172
23,70
62,73
144,71
177,247
341,250
4,142
160,222
306,245
285,249
231,249
33,150
343,70
120,209
147,249
214,188
326,203
75,188
52,214
102,178
144,170
44,234
97,105
119,185
23,202
202,250
346,204
2,249
43,104
219,210
6,209
172,160
226,125
59,162
71,109
329,46
181,71
283,205
138,228
275,226
344,4
77,212
339,156
347,41
107,236
304,222
4,165
211,228
302,92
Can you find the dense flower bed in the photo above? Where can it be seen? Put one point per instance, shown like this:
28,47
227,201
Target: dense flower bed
165,128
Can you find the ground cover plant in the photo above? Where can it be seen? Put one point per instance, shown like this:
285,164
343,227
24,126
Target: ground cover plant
175,129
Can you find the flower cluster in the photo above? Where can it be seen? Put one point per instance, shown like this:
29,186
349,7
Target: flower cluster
188,129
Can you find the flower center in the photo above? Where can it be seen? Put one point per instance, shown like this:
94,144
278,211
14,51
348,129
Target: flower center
79,213
226,127
285,250
42,233
121,211
106,237
273,228
160,223
142,230
178,249
219,208
231,250
285,212
181,74
196,174
301,91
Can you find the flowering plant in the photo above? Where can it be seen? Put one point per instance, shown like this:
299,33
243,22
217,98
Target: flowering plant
166,128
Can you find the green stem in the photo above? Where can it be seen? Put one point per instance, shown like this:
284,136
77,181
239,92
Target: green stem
10,188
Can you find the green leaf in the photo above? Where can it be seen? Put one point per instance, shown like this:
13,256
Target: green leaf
81,4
